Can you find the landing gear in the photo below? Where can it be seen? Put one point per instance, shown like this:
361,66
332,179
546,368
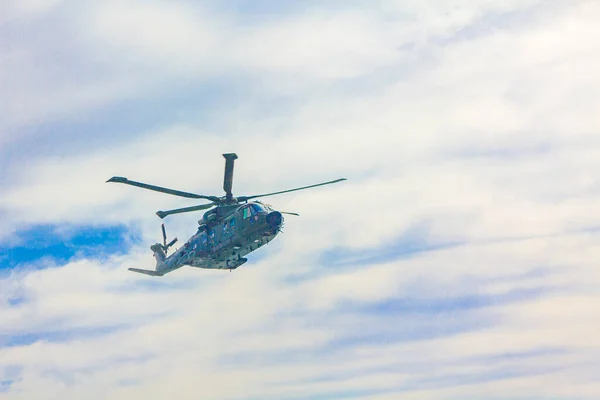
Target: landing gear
229,264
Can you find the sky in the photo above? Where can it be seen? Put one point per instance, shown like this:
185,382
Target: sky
458,261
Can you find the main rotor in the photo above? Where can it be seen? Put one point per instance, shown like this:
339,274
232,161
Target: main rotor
215,201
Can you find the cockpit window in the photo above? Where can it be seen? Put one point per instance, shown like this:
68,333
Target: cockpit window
252,209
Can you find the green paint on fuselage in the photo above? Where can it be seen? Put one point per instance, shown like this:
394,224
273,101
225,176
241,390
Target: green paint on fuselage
223,243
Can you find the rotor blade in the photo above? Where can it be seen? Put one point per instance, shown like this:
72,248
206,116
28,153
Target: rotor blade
283,212
245,198
228,178
163,214
164,234
120,179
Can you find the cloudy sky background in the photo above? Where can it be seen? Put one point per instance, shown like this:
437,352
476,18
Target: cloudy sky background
459,260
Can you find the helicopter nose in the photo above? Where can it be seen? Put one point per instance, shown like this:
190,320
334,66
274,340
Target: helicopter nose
274,219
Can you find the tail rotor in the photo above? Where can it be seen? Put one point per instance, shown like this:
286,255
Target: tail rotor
165,246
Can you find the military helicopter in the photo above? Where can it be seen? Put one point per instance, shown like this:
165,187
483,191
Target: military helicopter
230,230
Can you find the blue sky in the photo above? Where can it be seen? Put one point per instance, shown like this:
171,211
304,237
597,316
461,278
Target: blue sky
459,260
57,244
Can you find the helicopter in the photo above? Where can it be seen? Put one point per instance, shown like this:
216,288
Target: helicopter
231,229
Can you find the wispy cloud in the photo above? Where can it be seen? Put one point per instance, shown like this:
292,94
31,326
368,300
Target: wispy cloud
457,262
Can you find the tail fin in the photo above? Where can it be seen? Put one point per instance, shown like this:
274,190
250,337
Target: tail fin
160,256
159,253
145,271
161,266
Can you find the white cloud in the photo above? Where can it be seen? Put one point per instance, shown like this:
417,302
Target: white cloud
163,33
27,8
341,45
251,316
481,136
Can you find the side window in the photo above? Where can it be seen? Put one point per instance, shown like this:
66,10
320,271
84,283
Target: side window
246,212
232,222
225,226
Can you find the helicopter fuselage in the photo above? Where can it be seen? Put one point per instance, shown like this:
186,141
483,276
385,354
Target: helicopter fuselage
223,242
